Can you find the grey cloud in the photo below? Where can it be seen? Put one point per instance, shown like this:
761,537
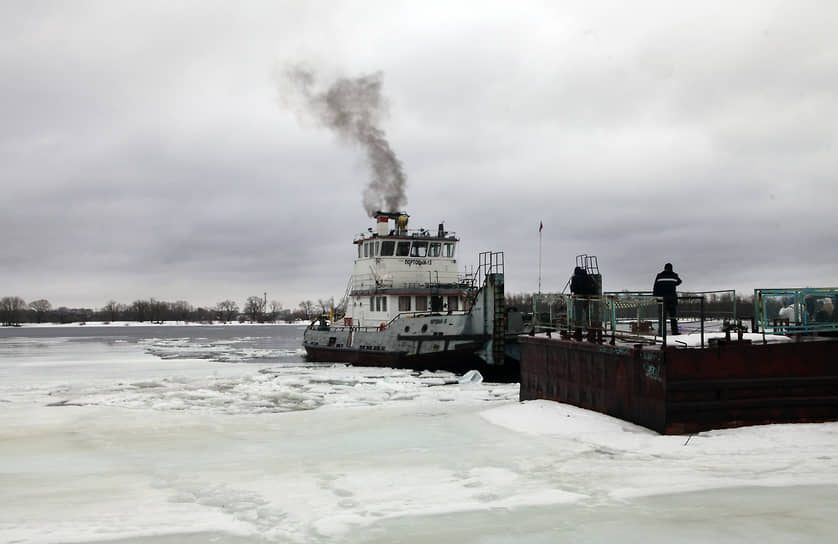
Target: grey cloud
144,153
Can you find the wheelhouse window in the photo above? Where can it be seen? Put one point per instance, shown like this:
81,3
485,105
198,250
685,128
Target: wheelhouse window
419,249
403,249
433,249
436,303
404,303
449,250
372,303
453,303
377,243
387,248
366,250
421,303
359,250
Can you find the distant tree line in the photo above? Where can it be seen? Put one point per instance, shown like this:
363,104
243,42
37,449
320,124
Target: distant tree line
255,309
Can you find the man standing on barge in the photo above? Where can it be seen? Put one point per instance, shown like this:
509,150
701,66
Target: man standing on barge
665,284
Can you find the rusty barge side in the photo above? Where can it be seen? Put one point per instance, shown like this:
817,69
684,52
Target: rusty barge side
676,391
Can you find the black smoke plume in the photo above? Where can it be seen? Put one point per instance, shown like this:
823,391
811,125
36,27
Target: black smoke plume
353,108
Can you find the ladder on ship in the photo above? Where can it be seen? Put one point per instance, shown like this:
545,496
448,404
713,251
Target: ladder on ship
491,267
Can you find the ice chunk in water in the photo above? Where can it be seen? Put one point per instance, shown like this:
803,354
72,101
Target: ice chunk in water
472,376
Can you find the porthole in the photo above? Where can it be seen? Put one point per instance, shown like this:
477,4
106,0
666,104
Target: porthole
425,327
407,328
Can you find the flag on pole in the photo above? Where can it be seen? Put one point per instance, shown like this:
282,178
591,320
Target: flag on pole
540,227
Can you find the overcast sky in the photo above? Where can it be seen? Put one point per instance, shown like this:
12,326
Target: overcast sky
146,150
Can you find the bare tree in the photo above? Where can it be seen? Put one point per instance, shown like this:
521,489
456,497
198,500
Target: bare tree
112,310
307,308
203,315
11,308
40,307
157,309
140,310
227,310
326,304
254,308
181,309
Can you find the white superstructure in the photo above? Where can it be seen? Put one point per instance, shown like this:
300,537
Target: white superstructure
401,271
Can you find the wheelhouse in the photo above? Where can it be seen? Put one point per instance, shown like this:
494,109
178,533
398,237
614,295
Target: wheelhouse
402,271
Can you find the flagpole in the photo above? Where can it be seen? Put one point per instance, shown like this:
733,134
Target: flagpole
540,227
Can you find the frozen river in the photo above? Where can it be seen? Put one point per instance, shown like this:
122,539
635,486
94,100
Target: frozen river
225,434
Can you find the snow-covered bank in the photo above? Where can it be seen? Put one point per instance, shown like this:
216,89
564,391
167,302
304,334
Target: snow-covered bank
104,441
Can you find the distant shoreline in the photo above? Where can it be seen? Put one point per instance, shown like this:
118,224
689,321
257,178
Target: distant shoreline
115,324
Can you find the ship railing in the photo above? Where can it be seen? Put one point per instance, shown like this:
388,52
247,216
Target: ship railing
371,283
630,316
489,262
467,280
411,233
334,327
317,325
415,314
719,305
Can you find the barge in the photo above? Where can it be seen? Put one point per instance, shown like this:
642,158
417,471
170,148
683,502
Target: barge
786,373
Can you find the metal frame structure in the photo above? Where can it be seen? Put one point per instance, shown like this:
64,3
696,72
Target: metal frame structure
805,321
620,310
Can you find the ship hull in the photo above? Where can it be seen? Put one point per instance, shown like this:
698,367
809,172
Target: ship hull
406,345
458,362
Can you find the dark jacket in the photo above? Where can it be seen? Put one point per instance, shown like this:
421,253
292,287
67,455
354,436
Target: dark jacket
581,283
665,283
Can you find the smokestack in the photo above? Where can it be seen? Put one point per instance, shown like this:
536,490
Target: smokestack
383,225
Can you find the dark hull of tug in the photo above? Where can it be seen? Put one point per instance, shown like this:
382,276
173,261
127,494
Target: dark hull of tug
457,361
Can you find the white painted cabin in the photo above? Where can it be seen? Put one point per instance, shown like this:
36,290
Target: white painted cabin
404,272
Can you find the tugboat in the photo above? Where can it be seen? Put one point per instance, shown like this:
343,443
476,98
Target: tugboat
407,306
